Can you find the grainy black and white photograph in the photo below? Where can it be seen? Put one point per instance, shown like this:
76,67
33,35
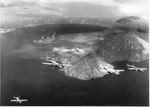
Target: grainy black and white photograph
74,52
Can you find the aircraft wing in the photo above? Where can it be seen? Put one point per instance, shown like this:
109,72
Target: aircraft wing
142,68
66,64
23,100
46,63
13,100
120,70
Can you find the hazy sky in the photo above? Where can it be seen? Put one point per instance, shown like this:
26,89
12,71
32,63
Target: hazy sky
127,7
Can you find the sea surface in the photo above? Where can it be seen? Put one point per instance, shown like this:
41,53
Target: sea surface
47,86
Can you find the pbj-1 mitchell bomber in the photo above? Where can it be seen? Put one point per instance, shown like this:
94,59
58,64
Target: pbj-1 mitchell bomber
134,68
55,63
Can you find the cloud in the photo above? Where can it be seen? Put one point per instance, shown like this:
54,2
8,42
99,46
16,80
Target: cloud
134,7
125,7
131,1
106,2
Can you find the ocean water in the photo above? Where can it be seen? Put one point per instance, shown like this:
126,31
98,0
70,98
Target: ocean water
45,85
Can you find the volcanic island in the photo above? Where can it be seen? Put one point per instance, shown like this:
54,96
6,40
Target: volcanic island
91,55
